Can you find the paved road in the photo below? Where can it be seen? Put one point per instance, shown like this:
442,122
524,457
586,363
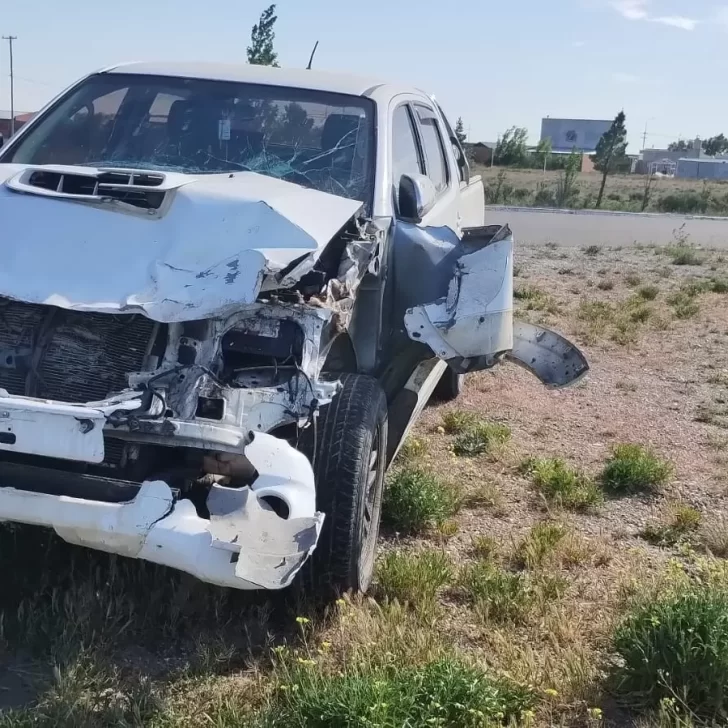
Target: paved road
579,228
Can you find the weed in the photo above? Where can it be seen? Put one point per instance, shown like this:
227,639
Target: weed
632,280
683,305
535,299
648,293
458,421
633,468
497,594
592,250
718,285
596,317
485,548
684,255
413,578
624,386
415,500
714,537
538,544
413,449
445,692
480,438
564,485
676,645
683,521
605,285
483,495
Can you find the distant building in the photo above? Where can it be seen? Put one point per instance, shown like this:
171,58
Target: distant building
20,121
702,168
567,134
480,152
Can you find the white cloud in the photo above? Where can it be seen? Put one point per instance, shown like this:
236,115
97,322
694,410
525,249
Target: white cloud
631,9
625,78
578,44
638,10
722,16
676,21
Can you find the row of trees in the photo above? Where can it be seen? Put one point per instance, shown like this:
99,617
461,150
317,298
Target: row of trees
712,146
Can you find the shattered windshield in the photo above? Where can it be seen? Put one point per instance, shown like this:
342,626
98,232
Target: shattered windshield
314,138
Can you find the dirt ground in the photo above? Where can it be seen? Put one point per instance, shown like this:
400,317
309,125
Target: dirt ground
101,641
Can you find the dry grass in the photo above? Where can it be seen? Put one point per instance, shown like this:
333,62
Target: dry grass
500,580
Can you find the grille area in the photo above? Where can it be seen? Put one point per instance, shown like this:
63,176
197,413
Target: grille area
51,353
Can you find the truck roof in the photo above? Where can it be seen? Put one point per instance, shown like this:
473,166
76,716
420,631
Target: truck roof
342,83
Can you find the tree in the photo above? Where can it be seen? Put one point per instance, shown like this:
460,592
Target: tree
543,153
611,151
260,50
679,146
460,130
715,145
511,148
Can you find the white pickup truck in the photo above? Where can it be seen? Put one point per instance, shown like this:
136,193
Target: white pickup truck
227,293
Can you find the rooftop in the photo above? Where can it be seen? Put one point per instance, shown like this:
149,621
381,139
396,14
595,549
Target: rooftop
342,83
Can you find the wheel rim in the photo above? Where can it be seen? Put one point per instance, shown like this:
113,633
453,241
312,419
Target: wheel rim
371,511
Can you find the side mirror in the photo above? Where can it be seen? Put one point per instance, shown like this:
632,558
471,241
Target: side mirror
417,196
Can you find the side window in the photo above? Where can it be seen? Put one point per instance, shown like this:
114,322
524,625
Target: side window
405,153
434,147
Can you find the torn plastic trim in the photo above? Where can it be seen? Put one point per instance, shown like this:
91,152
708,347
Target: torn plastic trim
552,358
244,544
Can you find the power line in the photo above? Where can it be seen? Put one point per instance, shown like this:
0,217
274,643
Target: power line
10,39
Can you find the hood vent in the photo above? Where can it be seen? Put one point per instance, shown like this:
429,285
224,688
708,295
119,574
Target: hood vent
130,187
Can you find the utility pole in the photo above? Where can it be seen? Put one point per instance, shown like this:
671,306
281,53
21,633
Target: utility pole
10,39
644,138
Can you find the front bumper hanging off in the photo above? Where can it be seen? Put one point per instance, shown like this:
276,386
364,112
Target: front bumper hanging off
244,544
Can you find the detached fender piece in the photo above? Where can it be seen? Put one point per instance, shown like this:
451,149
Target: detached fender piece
473,324
548,355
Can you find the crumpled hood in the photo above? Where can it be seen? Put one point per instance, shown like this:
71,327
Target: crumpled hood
204,253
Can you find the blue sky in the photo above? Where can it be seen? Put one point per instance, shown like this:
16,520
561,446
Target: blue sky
496,64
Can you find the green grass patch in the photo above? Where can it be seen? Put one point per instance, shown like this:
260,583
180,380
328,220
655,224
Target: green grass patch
540,543
683,305
415,500
474,436
445,693
682,522
564,485
648,293
633,468
497,594
675,647
480,438
684,255
632,280
458,421
414,578
533,298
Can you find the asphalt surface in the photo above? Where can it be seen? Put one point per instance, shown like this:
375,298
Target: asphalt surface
579,228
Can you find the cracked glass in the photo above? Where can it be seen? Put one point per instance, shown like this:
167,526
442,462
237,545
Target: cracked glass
317,139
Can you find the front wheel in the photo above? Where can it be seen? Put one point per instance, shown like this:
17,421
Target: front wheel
349,459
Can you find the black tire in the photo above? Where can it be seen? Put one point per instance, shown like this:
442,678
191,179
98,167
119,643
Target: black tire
449,387
349,465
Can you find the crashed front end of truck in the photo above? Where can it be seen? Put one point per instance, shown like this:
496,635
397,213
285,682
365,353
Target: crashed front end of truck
154,386
168,340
